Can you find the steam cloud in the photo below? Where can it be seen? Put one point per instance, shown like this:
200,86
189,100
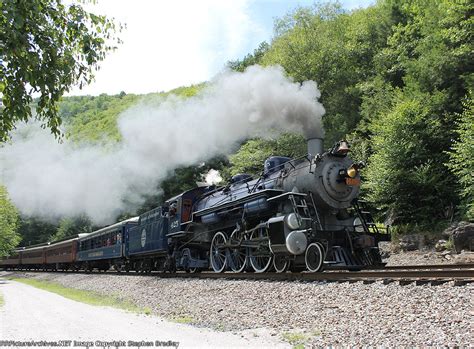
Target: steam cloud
49,179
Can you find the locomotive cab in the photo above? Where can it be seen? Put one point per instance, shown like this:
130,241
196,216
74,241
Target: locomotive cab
181,207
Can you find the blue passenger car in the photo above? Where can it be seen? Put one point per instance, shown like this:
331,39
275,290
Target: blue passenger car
101,248
149,235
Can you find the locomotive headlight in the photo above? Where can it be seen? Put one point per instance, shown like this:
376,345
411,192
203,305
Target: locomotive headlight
292,221
352,171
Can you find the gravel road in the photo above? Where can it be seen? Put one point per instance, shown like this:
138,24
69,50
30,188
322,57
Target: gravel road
326,314
33,314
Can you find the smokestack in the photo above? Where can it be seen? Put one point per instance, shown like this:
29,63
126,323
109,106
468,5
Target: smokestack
315,146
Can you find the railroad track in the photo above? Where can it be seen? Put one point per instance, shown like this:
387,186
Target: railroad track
461,274
428,266
434,276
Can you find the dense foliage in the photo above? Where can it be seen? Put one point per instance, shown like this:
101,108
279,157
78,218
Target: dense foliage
9,237
462,158
337,50
252,154
94,119
395,80
45,48
423,75
250,59
34,230
72,226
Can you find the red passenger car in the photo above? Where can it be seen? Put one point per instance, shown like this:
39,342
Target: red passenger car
33,257
61,255
11,262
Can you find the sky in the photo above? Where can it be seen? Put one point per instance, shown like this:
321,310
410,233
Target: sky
168,44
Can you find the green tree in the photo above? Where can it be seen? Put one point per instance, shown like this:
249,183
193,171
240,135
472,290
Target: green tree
72,226
34,230
404,177
336,49
45,48
250,59
462,158
9,238
94,118
252,154
431,48
409,109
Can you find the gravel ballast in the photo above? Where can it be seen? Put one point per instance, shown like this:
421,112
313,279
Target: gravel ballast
313,313
429,257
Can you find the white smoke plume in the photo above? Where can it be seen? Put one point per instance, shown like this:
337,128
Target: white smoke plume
52,179
213,177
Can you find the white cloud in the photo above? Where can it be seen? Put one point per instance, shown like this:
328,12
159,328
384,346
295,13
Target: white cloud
173,43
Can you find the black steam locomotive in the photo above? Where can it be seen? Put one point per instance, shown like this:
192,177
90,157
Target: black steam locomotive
300,214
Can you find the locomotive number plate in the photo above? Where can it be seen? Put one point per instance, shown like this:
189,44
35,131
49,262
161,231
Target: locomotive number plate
353,181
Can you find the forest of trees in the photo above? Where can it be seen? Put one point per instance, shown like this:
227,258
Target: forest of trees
396,80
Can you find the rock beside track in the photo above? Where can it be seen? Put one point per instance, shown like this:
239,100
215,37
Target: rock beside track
462,235
313,313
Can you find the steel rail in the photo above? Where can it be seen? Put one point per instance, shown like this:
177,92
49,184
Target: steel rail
340,269
464,274
431,266
405,267
406,274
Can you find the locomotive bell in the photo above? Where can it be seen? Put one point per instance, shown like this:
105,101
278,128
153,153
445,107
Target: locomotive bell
343,148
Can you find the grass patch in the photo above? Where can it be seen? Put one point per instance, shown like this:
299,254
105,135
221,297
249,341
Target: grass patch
295,338
450,244
298,339
219,327
88,297
183,319
2,302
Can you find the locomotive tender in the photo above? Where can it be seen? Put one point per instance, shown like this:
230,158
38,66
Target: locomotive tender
300,214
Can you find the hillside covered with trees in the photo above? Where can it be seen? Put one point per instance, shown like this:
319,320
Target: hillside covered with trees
396,80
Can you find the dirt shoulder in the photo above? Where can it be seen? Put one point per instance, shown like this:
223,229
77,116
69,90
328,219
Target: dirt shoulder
31,314
312,313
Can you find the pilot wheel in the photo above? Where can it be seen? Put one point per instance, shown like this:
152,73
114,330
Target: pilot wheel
314,257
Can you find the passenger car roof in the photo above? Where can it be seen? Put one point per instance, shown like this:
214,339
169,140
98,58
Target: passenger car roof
109,228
